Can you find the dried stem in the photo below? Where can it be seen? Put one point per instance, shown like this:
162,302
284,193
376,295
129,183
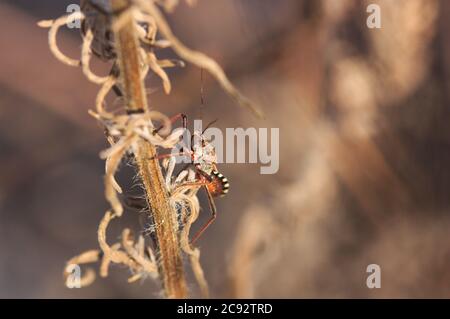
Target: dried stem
163,214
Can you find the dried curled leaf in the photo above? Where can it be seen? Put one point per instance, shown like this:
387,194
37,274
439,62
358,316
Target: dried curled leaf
197,58
54,26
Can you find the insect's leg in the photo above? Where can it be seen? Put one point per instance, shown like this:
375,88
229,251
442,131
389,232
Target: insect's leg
172,120
213,209
193,184
161,156
209,125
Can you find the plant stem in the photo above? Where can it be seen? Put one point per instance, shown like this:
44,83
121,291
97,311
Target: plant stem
164,216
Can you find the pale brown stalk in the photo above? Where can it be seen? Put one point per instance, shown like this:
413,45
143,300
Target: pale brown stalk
163,214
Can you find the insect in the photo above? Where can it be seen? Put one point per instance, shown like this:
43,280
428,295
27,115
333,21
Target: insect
201,172
98,16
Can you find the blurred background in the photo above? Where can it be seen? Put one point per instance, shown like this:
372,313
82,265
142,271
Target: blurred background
364,150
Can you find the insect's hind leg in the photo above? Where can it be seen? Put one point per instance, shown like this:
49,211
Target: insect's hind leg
213,210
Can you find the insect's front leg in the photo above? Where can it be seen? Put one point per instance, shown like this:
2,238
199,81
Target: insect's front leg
172,120
162,156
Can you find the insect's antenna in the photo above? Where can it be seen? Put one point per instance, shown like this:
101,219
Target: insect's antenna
202,104
202,94
209,125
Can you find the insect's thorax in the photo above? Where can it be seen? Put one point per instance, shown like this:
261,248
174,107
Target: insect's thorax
204,157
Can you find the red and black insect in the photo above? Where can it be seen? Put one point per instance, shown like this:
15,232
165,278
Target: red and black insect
204,161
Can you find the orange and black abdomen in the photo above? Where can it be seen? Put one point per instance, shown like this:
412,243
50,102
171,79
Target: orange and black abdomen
218,185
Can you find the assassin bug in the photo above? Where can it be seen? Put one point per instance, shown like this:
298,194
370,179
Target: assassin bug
206,175
201,172
204,162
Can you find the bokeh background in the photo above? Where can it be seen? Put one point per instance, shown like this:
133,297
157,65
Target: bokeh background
364,150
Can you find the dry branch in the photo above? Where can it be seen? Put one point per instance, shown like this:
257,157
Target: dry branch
163,214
